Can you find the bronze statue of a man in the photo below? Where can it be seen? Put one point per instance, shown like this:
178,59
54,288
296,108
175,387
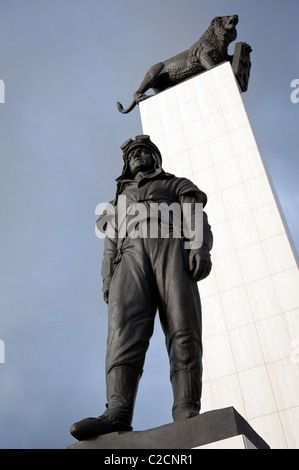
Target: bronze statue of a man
143,274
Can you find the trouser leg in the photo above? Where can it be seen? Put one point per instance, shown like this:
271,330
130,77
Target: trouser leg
180,315
132,308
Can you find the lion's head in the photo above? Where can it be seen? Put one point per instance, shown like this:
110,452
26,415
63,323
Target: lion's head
226,25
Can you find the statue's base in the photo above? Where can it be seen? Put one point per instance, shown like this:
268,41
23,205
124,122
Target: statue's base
217,429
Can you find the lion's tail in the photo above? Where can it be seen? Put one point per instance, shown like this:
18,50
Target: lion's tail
125,111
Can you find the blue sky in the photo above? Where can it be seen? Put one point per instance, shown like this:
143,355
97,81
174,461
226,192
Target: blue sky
65,63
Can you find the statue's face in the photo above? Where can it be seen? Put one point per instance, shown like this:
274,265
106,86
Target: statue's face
140,159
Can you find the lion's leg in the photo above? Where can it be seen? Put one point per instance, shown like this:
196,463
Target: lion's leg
206,61
150,75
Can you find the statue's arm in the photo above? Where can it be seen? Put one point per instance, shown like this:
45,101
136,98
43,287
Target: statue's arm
110,247
107,224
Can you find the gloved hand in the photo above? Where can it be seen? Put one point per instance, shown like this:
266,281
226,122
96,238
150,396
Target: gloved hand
200,264
106,296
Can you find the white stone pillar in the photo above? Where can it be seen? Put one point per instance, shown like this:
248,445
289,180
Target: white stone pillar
251,299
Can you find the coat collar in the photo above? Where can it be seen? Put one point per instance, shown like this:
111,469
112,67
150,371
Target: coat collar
152,174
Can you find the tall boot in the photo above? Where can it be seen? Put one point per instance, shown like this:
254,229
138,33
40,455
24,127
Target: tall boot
122,384
186,385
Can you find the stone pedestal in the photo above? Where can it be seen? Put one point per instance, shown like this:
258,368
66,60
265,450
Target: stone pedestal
217,429
251,298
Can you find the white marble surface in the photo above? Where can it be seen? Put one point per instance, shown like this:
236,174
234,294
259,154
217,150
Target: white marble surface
251,298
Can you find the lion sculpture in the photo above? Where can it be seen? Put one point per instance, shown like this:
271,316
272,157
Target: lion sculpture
210,50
